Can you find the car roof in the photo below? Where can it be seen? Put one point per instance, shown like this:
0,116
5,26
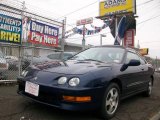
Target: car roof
118,46
130,49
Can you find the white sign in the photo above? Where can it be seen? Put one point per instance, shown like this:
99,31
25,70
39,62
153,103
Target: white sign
32,88
85,21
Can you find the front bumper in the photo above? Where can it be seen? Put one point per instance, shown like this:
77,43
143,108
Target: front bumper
53,96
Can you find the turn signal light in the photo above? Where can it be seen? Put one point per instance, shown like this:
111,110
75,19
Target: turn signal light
77,99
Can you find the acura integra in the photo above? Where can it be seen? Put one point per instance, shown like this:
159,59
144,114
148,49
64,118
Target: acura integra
96,78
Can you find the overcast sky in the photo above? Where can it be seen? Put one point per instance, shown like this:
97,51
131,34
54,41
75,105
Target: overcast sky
148,25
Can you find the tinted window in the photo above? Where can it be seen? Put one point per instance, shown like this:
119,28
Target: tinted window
105,54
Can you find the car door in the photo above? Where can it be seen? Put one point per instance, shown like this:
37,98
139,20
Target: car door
144,74
131,77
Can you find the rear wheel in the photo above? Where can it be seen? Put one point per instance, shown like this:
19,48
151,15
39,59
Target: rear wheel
110,101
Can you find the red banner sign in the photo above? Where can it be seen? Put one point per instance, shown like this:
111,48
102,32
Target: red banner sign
129,38
43,34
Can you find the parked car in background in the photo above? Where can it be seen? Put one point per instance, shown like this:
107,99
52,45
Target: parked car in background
96,78
57,56
3,66
157,69
13,62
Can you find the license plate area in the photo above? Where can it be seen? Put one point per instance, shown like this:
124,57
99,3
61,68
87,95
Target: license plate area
32,88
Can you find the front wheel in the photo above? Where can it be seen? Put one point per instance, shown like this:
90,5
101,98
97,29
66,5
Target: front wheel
110,101
149,90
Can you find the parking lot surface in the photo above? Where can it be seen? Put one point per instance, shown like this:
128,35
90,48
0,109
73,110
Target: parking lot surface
16,107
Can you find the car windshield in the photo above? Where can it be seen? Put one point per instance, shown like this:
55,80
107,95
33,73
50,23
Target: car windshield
101,54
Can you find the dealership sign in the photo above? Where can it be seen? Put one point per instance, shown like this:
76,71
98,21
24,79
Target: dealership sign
111,7
10,29
129,38
144,51
85,21
43,34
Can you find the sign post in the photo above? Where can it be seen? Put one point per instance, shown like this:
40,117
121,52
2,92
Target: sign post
84,22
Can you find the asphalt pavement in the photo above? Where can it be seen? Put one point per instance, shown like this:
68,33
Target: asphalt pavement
16,107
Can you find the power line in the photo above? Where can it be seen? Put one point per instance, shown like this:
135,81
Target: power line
129,8
149,42
125,9
148,20
77,10
18,1
109,32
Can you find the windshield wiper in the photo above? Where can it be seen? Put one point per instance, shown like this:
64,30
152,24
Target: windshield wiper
93,60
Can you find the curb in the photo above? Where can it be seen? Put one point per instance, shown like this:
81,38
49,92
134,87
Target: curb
156,117
4,82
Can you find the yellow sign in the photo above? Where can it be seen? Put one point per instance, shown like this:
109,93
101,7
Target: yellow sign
111,7
144,51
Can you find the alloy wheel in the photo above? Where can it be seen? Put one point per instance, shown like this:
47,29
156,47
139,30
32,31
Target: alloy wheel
112,101
150,87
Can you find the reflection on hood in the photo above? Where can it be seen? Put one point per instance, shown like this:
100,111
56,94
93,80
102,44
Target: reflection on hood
47,65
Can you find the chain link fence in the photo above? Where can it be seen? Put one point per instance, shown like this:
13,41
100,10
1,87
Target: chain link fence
16,57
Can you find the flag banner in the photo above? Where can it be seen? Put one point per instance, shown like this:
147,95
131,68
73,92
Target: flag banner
120,31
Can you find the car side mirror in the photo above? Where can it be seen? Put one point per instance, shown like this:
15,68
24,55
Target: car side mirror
132,62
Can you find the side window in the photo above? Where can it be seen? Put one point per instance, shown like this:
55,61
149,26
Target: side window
142,61
130,56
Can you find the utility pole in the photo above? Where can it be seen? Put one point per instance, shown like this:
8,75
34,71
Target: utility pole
101,35
63,34
83,40
20,47
156,62
63,37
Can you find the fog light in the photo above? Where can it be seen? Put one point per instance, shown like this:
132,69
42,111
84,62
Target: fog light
77,98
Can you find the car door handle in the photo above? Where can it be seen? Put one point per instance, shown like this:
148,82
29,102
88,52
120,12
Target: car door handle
142,69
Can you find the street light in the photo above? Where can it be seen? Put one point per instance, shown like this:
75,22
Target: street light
101,35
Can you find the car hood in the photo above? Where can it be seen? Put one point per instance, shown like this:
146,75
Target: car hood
72,67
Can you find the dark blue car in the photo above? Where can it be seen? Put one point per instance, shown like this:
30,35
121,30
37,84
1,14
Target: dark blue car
97,78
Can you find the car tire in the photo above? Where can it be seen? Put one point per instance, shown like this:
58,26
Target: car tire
111,101
149,89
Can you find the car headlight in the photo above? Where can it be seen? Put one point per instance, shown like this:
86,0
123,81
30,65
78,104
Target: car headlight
62,80
24,73
74,82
